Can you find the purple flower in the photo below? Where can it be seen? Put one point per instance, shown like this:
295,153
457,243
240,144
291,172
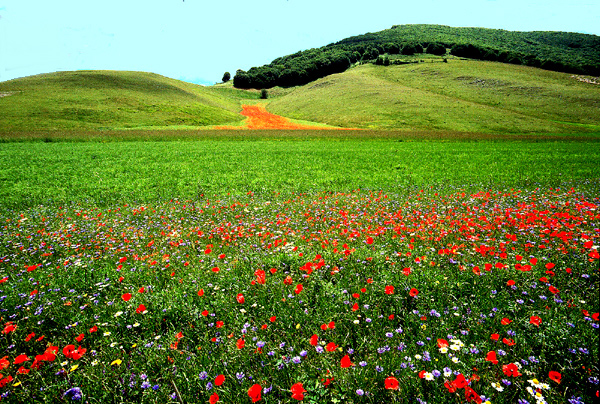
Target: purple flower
360,392
73,393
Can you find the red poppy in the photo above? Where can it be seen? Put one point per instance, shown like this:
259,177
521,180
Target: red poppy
126,296
460,382
389,290
299,288
141,290
288,280
441,343
470,395
533,261
254,392
79,337
9,327
555,376
406,271
240,298
491,357
511,370
509,342
220,324
141,309
553,290
219,380
331,347
21,358
391,383
355,307
495,337
413,292
345,362
450,386
535,320
314,340
214,398
29,336
31,268
204,313
422,374
201,292
4,363
298,392
369,240
215,269
505,321
510,282
260,276
240,343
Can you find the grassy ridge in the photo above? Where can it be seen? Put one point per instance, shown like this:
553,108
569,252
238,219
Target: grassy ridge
459,95
111,99
109,173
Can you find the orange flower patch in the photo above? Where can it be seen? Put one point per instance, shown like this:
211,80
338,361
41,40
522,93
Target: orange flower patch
259,118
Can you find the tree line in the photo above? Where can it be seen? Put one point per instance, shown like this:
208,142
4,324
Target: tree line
306,66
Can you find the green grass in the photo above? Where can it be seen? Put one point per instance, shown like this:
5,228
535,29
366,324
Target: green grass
101,100
33,173
461,95
458,96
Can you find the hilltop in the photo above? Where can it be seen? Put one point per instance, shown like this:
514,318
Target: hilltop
97,100
556,51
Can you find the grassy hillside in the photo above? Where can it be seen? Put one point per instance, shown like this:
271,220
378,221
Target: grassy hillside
556,51
111,100
462,95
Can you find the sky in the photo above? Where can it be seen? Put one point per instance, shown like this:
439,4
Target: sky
199,40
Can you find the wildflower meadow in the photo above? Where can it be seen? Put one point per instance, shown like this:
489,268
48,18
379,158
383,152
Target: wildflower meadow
321,297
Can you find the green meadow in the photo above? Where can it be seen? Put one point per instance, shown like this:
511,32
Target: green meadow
443,251
34,173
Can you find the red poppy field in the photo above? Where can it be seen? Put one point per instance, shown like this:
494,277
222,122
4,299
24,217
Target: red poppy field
363,296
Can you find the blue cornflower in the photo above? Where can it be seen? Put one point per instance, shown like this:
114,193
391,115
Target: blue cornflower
73,393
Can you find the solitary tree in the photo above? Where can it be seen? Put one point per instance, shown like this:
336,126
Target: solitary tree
264,94
226,77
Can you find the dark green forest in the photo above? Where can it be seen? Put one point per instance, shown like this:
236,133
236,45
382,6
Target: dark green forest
557,51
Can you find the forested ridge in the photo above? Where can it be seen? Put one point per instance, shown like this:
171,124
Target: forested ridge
557,51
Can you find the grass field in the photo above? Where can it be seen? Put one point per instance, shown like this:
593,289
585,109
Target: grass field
117,172
461,95
281,266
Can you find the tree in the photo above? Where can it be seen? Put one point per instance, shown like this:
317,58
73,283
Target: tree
264,94
226,77
436,49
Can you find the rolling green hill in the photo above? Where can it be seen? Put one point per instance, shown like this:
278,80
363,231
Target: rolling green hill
556,51
459,95
112,100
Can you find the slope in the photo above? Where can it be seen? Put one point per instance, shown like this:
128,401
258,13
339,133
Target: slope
111,100
459,95
556,51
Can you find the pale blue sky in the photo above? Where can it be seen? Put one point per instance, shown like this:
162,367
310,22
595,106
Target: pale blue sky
198,40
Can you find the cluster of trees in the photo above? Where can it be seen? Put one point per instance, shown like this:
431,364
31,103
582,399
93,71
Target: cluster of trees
304,67
566,52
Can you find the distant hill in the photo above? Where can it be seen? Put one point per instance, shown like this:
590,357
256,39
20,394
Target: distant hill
456,95
112,100
556,51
